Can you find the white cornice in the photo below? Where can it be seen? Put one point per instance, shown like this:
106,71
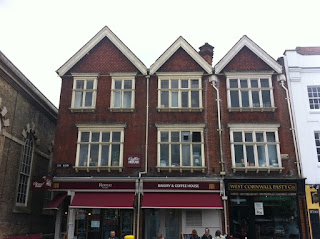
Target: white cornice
246,41
255,126
180,42
186,74
104,32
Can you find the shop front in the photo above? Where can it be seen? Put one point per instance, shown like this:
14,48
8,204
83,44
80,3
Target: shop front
263,209
173,207
93,208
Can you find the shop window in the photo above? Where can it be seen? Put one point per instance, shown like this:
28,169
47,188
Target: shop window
314,97
180,147
122,93
193,218
25,171
179,93
84,92
250,93
101,147
317,141
257,148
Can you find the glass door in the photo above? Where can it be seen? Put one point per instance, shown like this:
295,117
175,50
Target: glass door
126,223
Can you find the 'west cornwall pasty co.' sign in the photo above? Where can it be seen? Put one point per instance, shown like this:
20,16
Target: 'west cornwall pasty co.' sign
262,187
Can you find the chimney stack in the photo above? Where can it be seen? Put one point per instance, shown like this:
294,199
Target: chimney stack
206,51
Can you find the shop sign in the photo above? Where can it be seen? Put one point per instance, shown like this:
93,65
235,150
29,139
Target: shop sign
63,165
258,208
95,185
41,184
134,161
262,187
192,186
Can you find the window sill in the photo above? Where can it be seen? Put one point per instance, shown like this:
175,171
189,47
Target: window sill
122,109
264,109
316,111
98,169
258,169
179,109
81,110
181,169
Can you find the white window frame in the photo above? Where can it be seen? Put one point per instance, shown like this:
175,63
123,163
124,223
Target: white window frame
26,161
179,76
100,129
248,77
85,78
313,97
180,128
122,90
252,128
317,146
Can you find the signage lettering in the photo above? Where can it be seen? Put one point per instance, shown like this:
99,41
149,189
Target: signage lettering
105,185
177,185
262,187
63,165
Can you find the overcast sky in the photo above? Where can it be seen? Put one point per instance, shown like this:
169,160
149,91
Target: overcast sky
39,36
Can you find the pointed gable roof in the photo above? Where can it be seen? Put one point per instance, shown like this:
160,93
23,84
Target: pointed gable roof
180,42
246,41
104,32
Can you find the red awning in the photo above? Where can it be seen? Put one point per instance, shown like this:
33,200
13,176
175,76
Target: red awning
102,200
182,200
56,201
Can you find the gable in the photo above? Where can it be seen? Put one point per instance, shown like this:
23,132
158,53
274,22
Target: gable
180,61
104,58
246,60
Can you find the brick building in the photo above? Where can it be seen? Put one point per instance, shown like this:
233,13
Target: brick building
263,180
27,128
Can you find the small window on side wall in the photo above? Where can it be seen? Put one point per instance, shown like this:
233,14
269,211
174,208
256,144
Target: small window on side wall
314,97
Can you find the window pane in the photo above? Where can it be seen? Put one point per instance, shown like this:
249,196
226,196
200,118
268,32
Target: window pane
255,99
164,155
196,137
184,84
194,98
90,84
245,98
244,83
174,84
95,137
115,155
117,99
264,83
116,136
88,100
259,137
94,153
78,99
234,83
79,84
248,137
105,137
174,99
175,137
127,99
117,84
196,150
164,84
175,155
266,98
234,96
271,137
186,155
185,136
85,136
164,99
238,153
195,84
83,155
104,155
184,99
250,156
164,136
261,156
272,153
237,136
128,84
254,83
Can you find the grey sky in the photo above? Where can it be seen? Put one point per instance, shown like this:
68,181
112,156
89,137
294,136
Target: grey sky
39,36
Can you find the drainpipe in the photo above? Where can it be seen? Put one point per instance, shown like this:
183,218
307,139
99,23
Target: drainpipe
146,161
282,79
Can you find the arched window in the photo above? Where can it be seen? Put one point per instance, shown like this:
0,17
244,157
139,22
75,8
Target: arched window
25,170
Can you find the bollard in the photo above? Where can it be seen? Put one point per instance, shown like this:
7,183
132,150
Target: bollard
129,237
